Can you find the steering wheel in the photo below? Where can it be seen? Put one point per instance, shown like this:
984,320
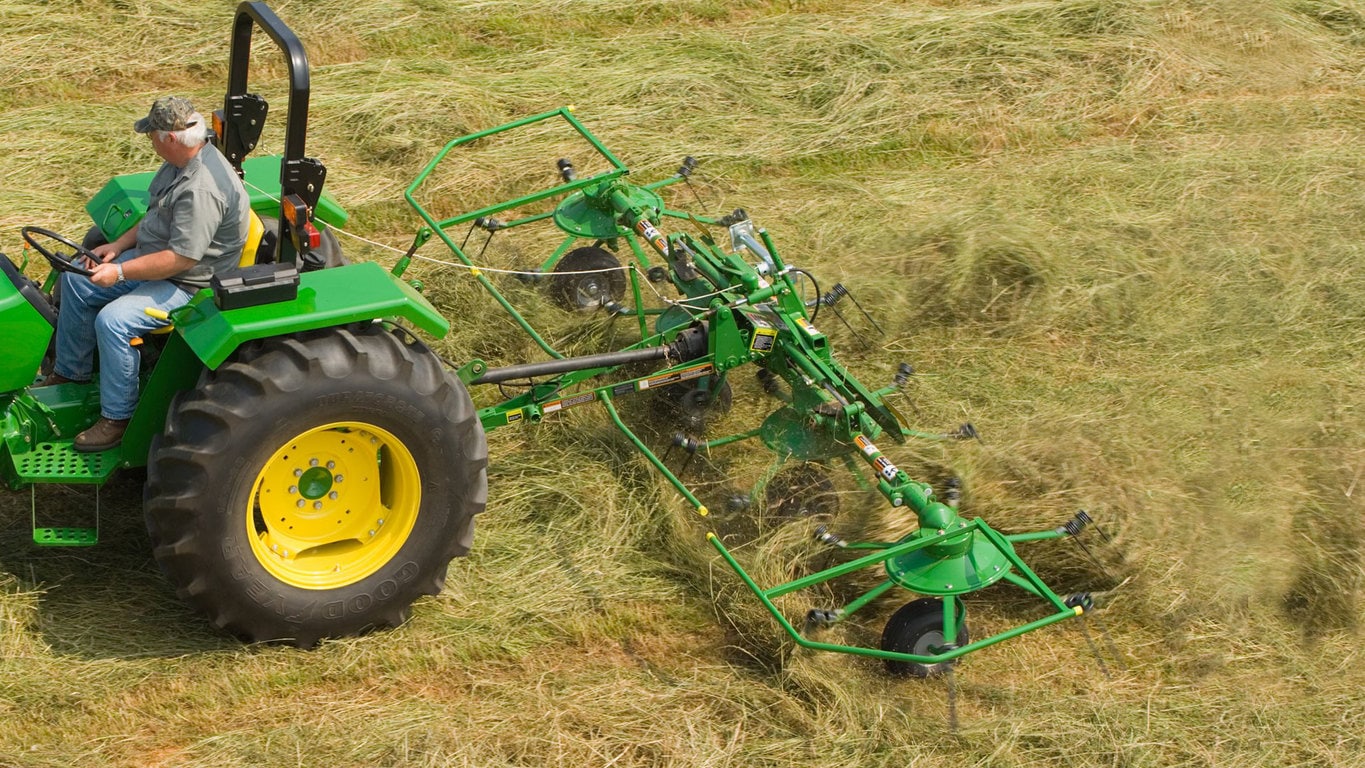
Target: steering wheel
58,261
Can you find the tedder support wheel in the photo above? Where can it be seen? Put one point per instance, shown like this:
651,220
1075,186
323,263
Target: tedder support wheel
586,278
315,485
917,627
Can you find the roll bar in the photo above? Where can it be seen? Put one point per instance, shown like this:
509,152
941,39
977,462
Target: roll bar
243,117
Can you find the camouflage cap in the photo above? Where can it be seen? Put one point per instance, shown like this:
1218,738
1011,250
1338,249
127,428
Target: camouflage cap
168,113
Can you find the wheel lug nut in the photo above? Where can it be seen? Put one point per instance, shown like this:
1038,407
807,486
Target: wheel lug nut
298,473
312,462
293,489
337,479
371,533
301,504
332,495
317,505
331,465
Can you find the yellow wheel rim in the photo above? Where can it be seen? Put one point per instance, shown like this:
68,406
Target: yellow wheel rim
333,505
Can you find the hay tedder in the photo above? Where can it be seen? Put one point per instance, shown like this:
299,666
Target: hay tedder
740,304
312,467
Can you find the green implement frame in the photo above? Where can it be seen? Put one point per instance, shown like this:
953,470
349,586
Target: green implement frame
741,306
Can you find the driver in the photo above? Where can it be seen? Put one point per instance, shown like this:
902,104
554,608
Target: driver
195,226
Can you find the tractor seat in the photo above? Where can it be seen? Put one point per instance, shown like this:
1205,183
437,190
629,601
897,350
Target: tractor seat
255,230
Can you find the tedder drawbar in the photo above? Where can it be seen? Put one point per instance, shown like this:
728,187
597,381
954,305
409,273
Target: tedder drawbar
741,304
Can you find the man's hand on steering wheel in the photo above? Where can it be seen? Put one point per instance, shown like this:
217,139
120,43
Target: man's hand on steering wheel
104,274
106,252
35,236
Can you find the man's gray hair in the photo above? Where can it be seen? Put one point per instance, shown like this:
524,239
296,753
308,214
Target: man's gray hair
193,136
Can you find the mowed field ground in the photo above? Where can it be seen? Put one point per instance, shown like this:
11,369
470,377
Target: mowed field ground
1123,238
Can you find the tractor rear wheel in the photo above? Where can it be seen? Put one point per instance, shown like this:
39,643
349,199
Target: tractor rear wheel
316,485
328,253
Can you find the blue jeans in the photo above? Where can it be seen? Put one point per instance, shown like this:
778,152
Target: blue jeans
110,318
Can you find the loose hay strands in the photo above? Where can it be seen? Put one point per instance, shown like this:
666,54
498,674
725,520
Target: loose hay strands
1122,237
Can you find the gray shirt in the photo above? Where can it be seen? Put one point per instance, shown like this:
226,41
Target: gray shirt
199,212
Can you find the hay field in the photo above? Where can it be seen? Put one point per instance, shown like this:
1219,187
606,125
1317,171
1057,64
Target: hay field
1124,238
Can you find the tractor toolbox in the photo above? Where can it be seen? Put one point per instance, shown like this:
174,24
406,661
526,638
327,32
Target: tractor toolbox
255,285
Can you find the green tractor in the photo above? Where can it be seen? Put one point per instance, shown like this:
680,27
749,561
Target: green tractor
312,468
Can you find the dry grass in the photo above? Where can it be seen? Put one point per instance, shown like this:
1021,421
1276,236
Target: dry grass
1122,237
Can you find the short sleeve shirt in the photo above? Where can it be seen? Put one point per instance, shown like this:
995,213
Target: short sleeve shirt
200,212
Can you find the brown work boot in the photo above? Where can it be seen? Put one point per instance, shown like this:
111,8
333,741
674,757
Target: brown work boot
105,434
54,378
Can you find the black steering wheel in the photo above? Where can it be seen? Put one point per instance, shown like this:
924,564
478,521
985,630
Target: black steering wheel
60,262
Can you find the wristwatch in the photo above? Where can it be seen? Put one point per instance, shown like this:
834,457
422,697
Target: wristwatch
121,278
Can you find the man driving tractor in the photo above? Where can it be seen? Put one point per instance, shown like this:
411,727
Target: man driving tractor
196,225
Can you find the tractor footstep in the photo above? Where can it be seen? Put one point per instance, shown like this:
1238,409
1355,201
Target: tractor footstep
66,537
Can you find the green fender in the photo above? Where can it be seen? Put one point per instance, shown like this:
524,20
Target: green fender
205,336
23,337
328,297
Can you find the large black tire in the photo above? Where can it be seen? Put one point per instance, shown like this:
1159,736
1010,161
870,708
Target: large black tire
315,486
917,627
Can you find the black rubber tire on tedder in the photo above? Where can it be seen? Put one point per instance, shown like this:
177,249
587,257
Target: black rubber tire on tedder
315,485
586,278
917,627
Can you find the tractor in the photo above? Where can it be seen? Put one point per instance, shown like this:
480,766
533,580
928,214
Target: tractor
311,466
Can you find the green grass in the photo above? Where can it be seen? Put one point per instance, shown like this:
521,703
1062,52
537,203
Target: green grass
1122,237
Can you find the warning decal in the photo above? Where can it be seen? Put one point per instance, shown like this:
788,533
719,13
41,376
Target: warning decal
885,468
865,445
685,374
764,339
806,326
569,402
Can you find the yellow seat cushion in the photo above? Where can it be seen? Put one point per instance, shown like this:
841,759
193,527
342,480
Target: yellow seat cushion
255,229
